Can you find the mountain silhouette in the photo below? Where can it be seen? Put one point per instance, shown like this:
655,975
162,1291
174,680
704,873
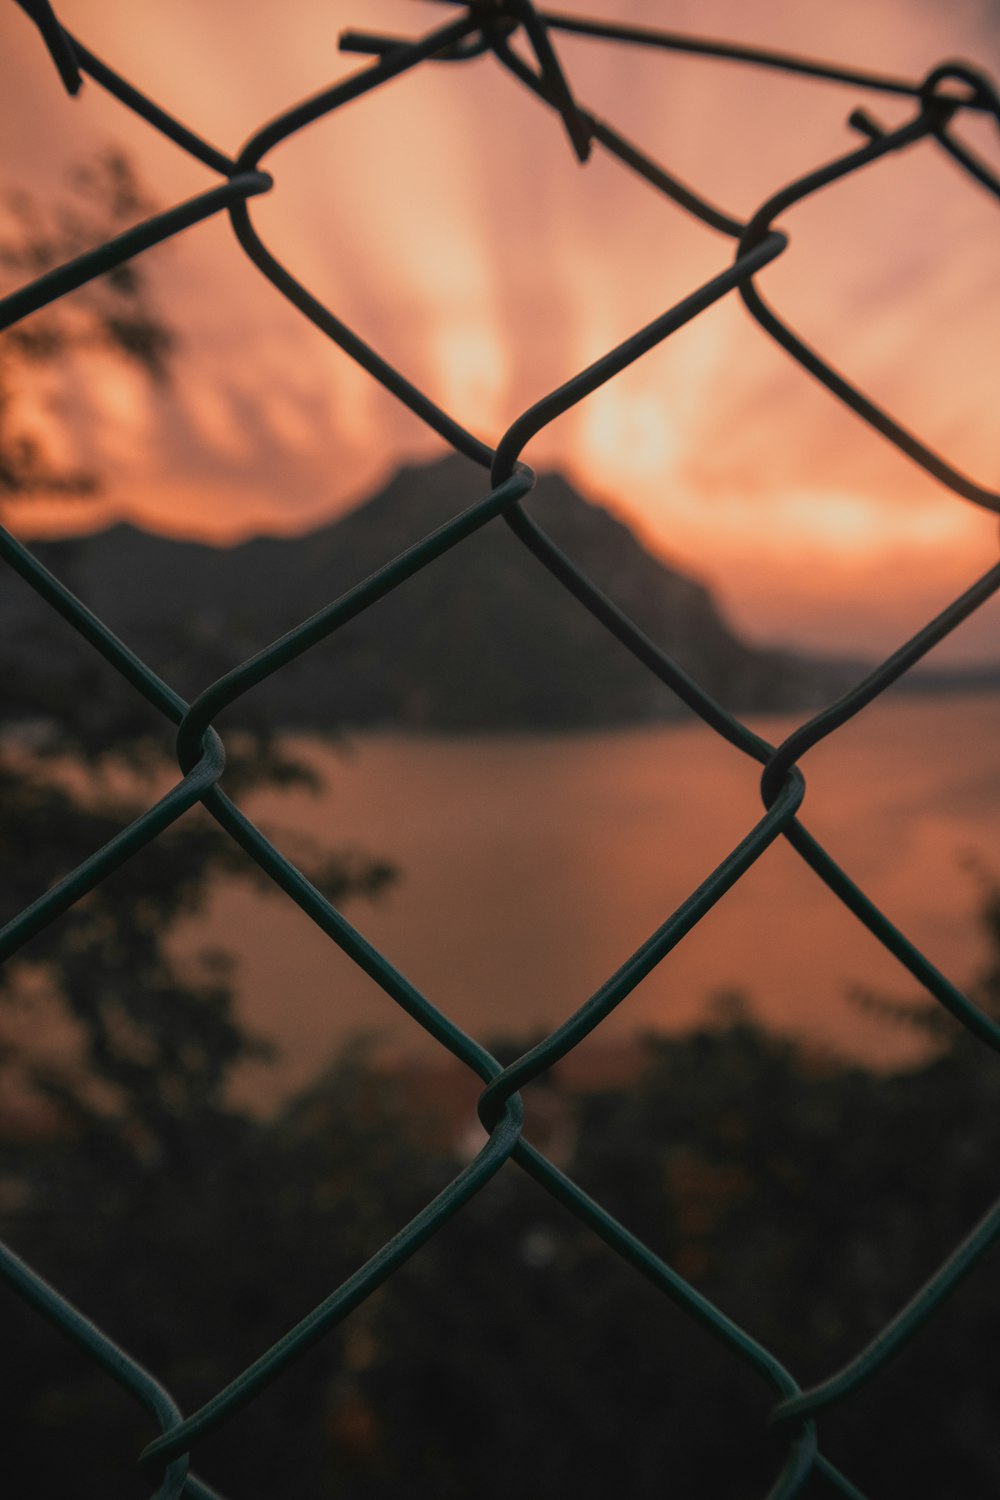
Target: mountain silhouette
481,639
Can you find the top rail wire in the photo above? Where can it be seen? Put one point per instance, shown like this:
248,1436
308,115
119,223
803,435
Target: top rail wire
522,39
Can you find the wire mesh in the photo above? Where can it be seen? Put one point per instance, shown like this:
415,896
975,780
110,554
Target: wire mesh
522,40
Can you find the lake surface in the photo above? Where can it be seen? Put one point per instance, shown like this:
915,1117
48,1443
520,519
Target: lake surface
530,868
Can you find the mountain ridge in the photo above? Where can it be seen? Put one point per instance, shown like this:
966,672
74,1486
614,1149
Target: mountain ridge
483,638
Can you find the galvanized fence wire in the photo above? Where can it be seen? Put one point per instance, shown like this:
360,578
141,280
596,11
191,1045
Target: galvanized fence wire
522,39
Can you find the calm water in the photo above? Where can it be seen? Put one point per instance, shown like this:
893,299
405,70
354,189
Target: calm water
531,867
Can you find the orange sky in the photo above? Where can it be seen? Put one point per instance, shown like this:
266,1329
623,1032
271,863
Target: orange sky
446,220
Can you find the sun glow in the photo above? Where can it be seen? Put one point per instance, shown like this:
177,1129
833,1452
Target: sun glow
628,435
471,363
445,222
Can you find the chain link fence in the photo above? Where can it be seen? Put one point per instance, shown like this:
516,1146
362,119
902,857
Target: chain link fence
523,41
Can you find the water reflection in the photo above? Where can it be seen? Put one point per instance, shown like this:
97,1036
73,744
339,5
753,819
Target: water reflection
531,867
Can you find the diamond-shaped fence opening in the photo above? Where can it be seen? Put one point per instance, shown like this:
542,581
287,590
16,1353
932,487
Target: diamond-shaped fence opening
524,41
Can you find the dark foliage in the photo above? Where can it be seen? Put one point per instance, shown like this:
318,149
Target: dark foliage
515,1351
116,1138
147,1040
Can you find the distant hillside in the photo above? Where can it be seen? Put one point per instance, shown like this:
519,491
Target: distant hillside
482,639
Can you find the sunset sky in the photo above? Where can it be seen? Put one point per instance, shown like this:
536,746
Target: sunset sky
446,220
